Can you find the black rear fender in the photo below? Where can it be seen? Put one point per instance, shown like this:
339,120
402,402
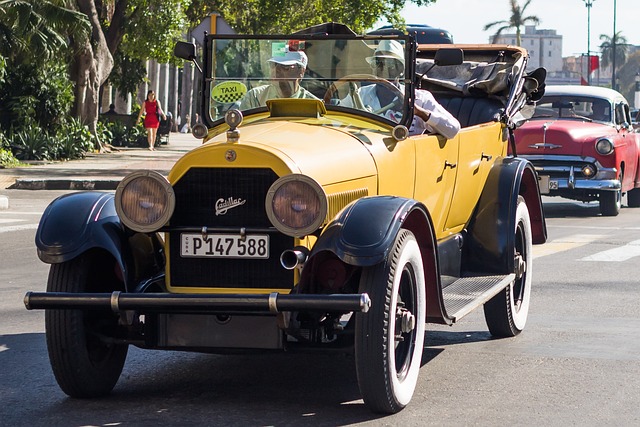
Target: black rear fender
490,247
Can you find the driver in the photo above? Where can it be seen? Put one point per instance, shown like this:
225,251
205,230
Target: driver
287,70
388,63
600,111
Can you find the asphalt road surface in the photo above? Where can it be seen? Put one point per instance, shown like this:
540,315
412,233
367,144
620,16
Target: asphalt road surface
576,364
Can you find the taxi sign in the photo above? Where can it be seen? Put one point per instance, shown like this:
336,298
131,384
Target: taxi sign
228,92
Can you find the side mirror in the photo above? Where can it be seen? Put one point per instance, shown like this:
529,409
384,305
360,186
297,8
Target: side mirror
449,56
185,50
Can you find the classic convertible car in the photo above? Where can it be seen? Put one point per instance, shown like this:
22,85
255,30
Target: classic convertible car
583,146
302,223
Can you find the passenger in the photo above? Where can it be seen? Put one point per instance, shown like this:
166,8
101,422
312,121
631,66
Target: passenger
286,72
388,63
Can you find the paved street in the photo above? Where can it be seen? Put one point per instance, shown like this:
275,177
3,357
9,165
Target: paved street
576,363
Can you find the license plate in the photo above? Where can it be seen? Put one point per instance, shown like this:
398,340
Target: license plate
546,184
224,246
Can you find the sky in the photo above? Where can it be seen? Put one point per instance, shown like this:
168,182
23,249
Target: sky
465,20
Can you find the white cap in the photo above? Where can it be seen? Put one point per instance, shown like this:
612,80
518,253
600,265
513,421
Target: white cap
388,49
290,57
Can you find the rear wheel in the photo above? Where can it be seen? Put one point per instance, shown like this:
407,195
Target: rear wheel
390,337
84,362
633,198
506,313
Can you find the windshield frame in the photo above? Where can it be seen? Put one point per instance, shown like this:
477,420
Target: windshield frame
407,82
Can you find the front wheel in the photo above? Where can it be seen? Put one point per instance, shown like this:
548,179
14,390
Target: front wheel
506,313
633,198
390,337
611,201
85,361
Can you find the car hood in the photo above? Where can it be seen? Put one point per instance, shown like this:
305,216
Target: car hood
559,136
327,151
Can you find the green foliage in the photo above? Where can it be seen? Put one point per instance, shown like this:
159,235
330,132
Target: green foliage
70,142
30,143
516,20
35,96
73,141
38,29
151,29
7,159
285,16
607,48
119,134
127,73
3,66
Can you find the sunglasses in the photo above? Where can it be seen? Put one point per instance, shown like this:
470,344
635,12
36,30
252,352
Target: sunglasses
385,63
284,68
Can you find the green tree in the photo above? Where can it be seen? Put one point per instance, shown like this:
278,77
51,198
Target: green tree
516,20
141,28
37,29
607,49
285,16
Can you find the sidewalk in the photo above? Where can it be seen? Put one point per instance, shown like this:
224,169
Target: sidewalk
98,171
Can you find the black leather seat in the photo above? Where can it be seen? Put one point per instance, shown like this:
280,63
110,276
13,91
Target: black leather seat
472,110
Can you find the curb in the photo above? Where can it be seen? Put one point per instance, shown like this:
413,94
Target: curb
64,184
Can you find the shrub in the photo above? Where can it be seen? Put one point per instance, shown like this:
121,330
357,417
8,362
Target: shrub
74,140
35,96
7,159
30,144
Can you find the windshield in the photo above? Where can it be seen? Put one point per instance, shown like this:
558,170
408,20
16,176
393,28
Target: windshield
574,107
363,74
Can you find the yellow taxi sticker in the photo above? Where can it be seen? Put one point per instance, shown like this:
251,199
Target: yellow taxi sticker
228,92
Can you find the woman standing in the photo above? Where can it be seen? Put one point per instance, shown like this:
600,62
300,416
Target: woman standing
153,111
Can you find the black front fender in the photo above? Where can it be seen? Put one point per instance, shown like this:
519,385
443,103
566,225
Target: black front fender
76,223
363,233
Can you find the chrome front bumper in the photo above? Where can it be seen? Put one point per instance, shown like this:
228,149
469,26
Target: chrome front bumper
556,173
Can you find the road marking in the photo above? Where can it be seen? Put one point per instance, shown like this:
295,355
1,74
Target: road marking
9,212
10,228
564,244
5,221
619,254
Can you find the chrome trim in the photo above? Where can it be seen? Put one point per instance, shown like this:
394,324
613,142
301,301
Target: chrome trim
273,303
587,184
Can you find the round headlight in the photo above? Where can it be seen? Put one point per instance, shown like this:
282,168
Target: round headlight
296,205
604,146
144,201
199,130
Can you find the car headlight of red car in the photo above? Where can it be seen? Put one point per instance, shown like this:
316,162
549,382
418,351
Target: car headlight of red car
296,205
144,201
604,146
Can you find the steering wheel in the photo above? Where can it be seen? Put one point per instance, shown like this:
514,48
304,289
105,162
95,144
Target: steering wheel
357,100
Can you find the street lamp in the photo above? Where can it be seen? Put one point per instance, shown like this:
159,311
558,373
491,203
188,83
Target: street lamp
588,4
636,97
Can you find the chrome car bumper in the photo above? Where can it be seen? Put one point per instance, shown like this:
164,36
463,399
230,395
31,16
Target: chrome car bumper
566,173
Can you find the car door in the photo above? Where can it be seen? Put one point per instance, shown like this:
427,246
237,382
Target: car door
479,146
436,169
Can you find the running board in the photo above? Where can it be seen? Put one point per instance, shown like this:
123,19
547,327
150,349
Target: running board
467,293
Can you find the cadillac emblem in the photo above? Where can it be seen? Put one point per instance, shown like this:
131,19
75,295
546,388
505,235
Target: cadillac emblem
230,155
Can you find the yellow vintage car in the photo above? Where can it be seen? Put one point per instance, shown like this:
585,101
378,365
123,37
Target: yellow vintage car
308,219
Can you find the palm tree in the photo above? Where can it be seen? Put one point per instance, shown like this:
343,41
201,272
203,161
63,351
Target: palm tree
516,21
38,28
607,49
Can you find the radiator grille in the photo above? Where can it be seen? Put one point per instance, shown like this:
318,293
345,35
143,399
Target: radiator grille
226,197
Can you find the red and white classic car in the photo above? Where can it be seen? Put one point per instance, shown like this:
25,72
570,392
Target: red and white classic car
583,146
